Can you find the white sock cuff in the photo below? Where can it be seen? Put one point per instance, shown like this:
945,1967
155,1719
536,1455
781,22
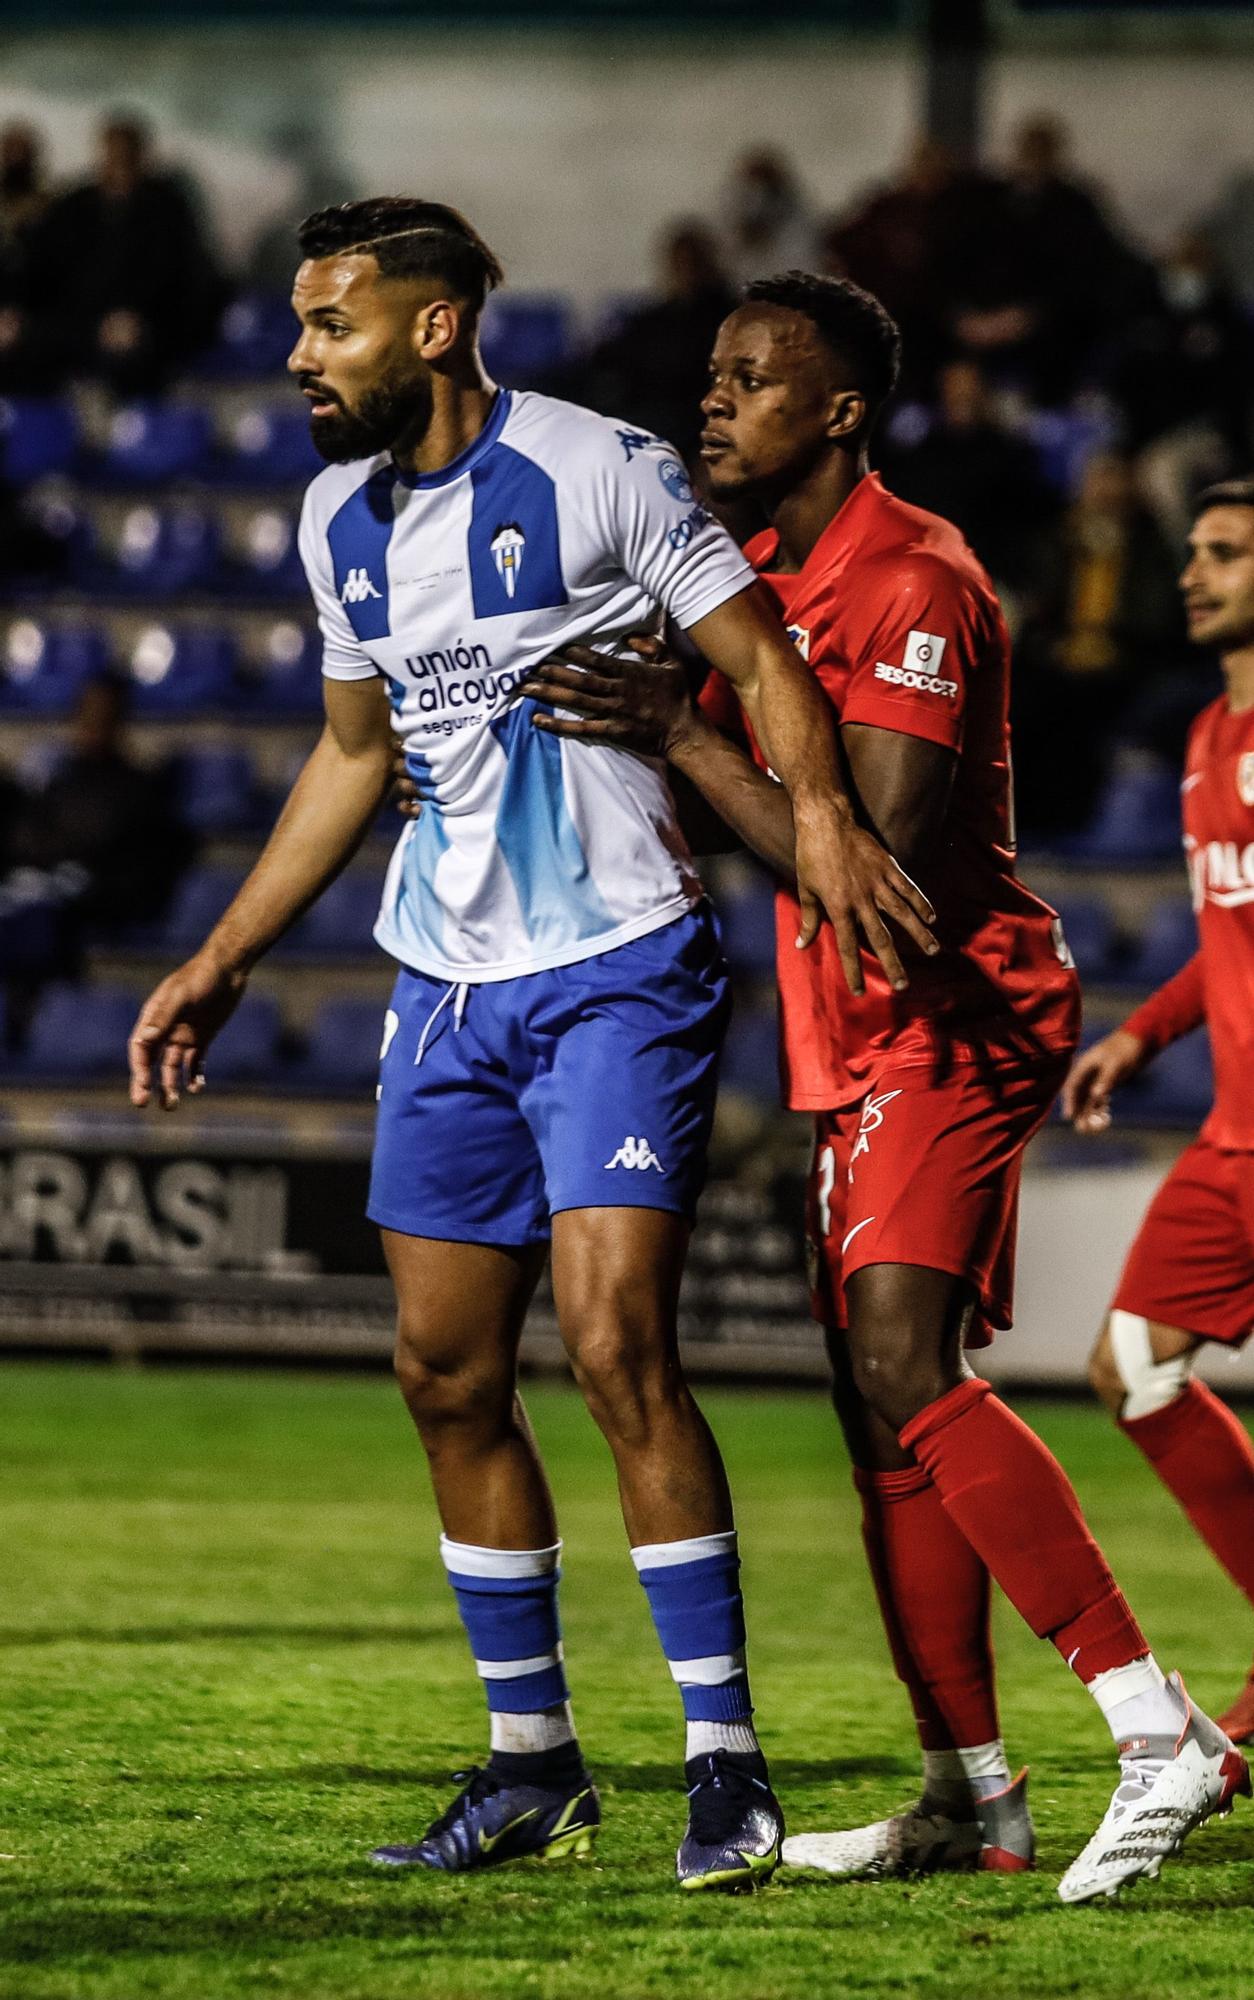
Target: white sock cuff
1119,1684
698,1548
962,1764
468,1559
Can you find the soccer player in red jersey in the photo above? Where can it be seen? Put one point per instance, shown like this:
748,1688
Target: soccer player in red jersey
1189,1276
924,1099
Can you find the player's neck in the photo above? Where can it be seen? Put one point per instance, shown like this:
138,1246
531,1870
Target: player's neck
800,516
459,412
1239,673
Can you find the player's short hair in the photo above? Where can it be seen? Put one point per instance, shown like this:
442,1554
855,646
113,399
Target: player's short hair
853,323
409,239
1225,493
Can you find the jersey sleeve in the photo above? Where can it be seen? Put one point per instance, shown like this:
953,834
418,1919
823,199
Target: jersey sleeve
1174,1010
342,657
665,539
915,638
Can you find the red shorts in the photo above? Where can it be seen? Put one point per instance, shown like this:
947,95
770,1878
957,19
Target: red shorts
1192,1264
922,1171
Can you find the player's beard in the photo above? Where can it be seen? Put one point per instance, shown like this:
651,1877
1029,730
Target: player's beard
393,414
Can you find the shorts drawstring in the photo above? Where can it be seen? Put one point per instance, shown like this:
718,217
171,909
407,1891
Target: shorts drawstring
459,994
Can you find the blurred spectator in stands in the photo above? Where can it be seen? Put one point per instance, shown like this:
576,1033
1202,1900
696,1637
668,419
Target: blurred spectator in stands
966,464
1230,227
131,288
1043,277
654,368
104,827
767,222
24,200
1106,618
1183,375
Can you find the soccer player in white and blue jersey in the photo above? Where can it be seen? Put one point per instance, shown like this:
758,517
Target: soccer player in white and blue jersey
549,1058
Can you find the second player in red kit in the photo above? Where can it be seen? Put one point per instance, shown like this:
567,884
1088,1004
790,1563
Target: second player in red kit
1189,1276
926,1087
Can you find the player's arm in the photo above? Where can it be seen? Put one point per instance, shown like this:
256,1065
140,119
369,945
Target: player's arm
1174,1010
330,808
902,785
841,869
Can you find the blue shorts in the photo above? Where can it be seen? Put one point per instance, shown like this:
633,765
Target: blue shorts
591,1086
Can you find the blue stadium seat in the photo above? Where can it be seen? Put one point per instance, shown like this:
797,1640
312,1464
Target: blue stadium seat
284,677
161,552
182,670
247,1050
1178,1088
150,443
198,902
1065,440
216,790
80,1032
343,1050
268,563
1169,940
270,447
257,334
747,918
45,665
524,337
1137,818
751,1055
341,922
38,435
31,927
1089,929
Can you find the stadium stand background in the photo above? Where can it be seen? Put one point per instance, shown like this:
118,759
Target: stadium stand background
1063,413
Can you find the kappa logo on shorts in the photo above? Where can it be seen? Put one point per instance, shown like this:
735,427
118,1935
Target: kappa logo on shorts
637,1154
872,1119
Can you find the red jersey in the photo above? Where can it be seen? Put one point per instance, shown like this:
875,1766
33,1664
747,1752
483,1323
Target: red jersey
1217,985
903,630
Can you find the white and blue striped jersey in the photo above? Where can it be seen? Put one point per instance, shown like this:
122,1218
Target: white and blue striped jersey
555,527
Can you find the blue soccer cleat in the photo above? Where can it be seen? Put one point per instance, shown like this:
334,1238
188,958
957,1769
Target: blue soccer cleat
735,1824
492,1821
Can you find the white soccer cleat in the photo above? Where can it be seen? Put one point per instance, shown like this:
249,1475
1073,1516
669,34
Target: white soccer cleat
926,1840
1165,1790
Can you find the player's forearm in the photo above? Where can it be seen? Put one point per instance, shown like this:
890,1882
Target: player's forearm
328,812
753,805
1176,1009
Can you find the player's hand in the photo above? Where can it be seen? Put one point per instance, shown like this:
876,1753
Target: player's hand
640,703
175,1027
404,794
844,873
1094,1075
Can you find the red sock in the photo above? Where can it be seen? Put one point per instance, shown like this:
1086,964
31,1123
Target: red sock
1013,1502
933,1592
1203,1454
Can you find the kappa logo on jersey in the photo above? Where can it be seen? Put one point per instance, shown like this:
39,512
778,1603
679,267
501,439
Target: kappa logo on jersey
358,587
637,1154
634,441
920,667
872,1119
507,547
800,636
1245,778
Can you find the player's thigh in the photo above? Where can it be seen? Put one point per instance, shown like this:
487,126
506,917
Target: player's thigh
1191,1265
622,1112
454,1159
616,1279
906,1326
460,1311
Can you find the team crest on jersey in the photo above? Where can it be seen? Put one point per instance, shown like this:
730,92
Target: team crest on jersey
800,637
507,547
1245,778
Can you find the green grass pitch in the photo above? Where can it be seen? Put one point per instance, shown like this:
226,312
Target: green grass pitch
231,1666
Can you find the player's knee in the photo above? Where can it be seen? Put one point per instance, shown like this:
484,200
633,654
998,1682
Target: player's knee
626,1369
1104,1378
896,1371
442,1393
1138,1382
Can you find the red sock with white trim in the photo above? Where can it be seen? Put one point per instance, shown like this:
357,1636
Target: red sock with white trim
1007,1494
933,1594
1204,1455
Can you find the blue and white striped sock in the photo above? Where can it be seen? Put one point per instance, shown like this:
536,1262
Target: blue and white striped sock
693,1589
508,1603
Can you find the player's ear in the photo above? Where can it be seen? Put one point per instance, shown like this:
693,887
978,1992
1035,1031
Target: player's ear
847,414
437,327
